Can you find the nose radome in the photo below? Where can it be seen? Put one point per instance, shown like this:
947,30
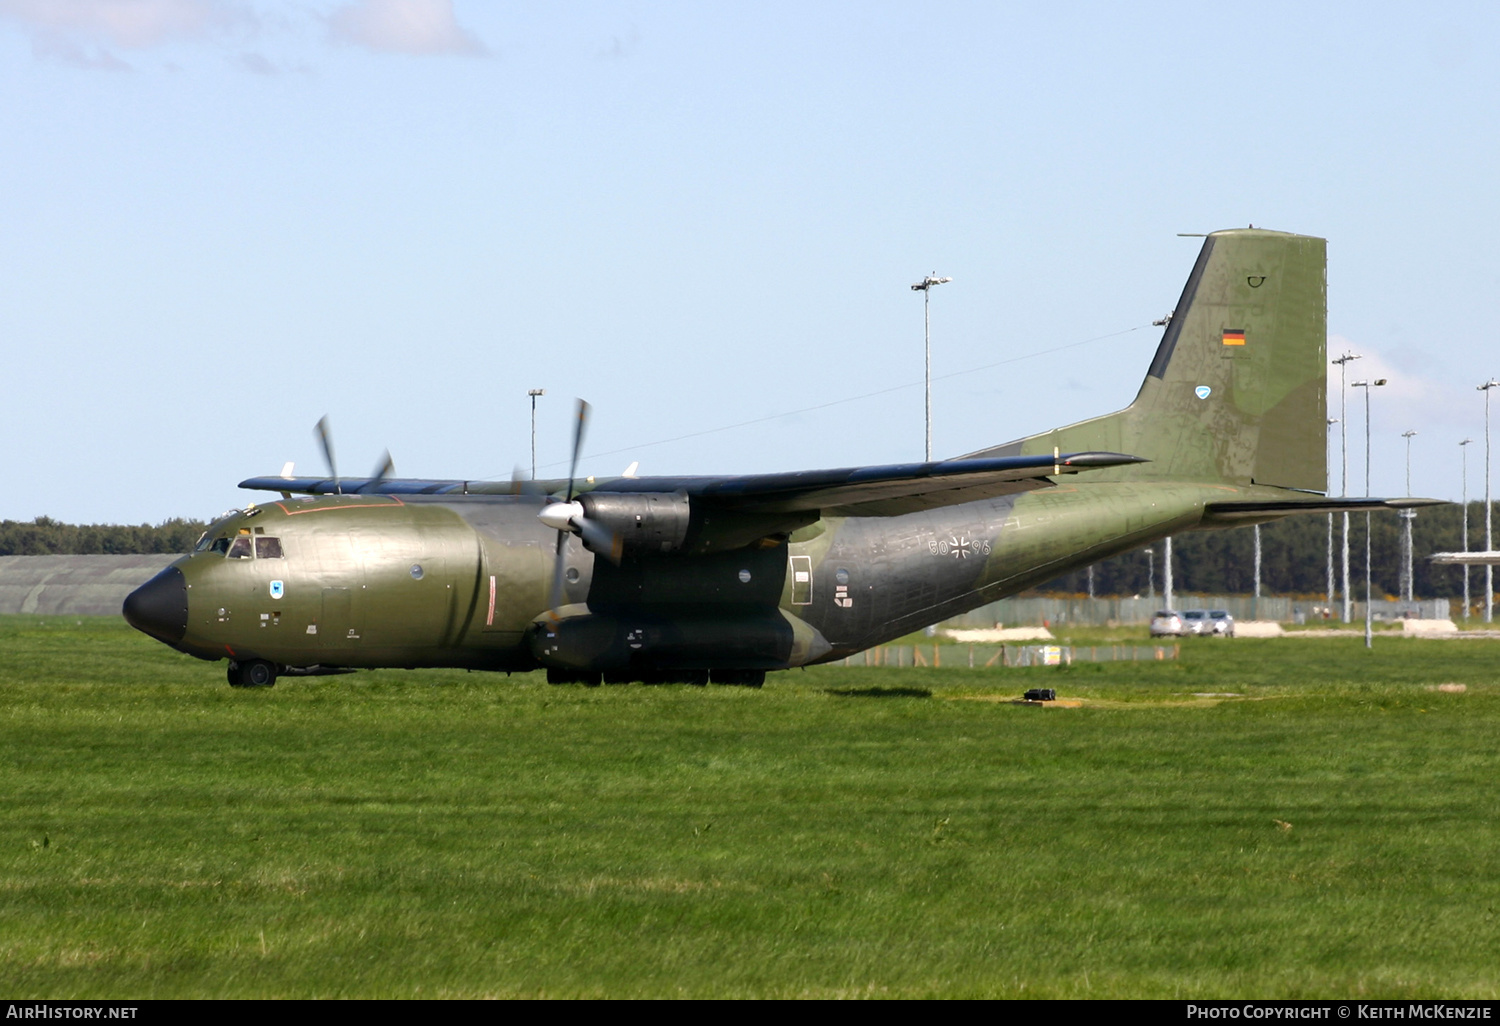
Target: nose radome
159,607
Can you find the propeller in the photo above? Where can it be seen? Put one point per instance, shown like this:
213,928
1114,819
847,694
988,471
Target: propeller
383,470
325,439
568,517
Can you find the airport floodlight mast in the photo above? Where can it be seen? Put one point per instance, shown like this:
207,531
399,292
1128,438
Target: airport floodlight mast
1463,462
1367,385
1343,362
1166,571
1489,538
925,287
534,392
1257,571
1406,517
1329,608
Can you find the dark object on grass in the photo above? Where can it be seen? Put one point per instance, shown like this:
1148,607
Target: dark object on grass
1041,695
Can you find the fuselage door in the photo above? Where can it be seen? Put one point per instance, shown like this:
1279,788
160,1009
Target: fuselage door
802,580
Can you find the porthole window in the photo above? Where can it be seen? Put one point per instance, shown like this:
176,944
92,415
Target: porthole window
572,575
416,571
744,576
841,576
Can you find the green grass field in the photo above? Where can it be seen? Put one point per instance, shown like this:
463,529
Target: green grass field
842,832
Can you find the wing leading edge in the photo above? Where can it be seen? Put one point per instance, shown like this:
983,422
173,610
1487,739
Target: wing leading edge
852,491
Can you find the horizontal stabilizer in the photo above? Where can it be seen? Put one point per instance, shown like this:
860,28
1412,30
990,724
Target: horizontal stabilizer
1264,509
1466,558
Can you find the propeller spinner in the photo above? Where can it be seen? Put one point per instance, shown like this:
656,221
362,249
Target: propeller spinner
568,517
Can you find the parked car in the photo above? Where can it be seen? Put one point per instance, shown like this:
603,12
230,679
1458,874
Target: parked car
1223,623
1196,621
1167,623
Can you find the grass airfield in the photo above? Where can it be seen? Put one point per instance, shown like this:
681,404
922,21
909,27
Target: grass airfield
1294,818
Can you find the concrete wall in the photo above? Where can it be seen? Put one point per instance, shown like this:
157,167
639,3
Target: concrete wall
73,585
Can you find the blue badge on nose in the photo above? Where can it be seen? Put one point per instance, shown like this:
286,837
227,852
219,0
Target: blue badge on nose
1202,391
277,589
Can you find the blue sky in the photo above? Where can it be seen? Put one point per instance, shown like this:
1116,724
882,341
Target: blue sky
220,220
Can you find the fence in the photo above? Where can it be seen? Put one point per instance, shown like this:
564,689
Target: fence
976,657
1111,612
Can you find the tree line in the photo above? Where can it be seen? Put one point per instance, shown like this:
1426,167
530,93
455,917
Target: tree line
47,537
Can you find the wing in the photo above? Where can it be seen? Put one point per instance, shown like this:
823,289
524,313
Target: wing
852,491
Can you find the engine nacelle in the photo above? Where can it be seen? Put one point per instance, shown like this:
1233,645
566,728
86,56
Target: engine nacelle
646,521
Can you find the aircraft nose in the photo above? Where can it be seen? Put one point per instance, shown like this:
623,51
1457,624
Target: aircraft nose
159,607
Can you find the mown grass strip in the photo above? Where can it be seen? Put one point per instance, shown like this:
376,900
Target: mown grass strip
841,832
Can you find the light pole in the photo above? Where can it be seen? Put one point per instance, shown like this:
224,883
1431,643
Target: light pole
1151,573
1489,540
1406,518
1166,571
1257,572
1463,451
1331,421
1343,362
1367,385
925,287
534,392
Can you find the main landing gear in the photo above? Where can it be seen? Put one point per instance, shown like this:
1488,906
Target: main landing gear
740,678
253,673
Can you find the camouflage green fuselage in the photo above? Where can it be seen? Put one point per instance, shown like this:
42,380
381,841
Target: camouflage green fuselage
462,580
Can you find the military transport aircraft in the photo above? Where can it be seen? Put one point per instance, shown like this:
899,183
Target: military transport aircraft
698,579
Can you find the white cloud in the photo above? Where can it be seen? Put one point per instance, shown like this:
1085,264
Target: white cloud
424,27
80,32
130,24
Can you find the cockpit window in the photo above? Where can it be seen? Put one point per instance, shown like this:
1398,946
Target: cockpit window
220,545
267,548
204,541
240,549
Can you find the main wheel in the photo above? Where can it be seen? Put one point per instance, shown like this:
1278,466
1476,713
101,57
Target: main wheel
741,678
257,673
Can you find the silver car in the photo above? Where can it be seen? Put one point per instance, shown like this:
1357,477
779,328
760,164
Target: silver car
1167,623
1222,623
1196,621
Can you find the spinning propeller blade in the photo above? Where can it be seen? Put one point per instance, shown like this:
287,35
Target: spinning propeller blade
325,439
567,517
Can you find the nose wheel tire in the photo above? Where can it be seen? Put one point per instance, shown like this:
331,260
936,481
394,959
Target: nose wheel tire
254,673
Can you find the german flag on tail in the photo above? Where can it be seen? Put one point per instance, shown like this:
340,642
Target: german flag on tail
1234,336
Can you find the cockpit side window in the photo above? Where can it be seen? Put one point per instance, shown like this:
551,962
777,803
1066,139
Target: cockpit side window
220,545
240,549
267,548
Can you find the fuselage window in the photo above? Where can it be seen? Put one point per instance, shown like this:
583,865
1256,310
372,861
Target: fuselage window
220,545
241,548
267,548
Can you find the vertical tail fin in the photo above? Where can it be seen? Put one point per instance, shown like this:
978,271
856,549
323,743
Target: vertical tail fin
1237,391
